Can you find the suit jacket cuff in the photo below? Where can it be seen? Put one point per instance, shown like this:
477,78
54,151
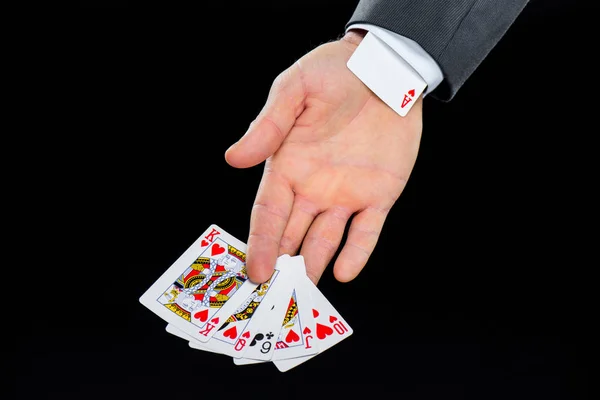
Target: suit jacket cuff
458,34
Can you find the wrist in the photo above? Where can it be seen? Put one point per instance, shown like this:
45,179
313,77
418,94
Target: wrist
354,36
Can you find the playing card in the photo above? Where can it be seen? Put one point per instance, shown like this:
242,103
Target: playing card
200,284
207,299
391,78
179,333
330,327
236,333
296,332
266,325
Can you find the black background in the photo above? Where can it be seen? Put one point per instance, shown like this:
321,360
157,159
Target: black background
479,288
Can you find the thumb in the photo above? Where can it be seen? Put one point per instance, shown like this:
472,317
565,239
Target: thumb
264,136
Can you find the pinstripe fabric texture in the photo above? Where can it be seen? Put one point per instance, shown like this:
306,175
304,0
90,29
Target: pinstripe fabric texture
458,34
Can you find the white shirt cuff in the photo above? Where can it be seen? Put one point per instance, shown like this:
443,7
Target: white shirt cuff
411,52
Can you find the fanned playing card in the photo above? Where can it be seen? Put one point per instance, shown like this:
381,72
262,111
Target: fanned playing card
267,322
330,327
296,328
207,299
193,291
180,334
236,332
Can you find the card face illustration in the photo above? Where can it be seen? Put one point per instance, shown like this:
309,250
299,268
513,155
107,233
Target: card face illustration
207,299
296,329
330,327
201,284
266,323
297,336
237,332
231,336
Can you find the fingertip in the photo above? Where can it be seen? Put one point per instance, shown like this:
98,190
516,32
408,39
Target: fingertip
259,269
247,153
259,276
231,156
262,273
343,274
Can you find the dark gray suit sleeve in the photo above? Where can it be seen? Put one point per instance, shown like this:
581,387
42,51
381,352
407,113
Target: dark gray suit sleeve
458,34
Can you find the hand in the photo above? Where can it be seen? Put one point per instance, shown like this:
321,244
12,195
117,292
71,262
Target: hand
334,153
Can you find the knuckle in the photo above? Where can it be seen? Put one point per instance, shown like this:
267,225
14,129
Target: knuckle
262,236
326,244
361,249
271,209
287,243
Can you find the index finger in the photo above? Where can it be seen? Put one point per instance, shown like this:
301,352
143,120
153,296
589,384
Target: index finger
269,217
